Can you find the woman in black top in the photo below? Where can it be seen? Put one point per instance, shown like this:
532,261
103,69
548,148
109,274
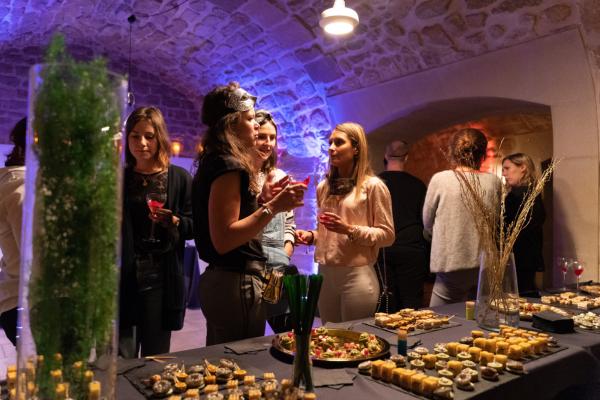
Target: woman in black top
519,171
152,289
227,219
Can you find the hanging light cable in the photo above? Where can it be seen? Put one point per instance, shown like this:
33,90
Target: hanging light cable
339,20
130,96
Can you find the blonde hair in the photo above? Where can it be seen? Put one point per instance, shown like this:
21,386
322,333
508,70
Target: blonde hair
522,159
361,170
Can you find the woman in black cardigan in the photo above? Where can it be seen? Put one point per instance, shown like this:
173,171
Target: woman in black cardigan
152,290
519,171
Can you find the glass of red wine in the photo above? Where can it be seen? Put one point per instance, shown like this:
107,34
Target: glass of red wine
563,264
578,270
155,202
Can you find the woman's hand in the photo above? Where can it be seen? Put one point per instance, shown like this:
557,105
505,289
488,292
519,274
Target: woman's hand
288,198
333,222
164,217
272,188
305,237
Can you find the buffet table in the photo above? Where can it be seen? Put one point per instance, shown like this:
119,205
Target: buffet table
578,363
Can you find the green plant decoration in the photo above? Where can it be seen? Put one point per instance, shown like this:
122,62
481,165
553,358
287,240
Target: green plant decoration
73,287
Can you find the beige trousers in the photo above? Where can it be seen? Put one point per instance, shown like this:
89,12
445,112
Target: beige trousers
348,293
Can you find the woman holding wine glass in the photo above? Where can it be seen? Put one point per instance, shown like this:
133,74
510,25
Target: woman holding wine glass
227,219
156,222
355,220
519,172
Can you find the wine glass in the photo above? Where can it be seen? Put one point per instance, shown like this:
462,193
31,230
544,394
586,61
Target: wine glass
155,201
578,270
563,264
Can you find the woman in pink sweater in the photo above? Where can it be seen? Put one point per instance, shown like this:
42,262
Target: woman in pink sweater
355,220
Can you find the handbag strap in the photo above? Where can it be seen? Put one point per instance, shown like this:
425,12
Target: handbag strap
384,296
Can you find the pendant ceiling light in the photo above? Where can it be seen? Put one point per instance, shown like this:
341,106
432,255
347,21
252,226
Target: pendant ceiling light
339,19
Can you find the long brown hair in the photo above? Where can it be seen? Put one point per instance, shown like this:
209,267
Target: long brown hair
522,159
467,148
221,136
361,170
264,117
153,116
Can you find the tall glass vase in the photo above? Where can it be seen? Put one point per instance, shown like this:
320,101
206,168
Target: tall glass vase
497,293
71,221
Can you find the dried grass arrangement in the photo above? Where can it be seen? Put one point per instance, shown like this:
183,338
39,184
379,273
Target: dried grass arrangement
497,239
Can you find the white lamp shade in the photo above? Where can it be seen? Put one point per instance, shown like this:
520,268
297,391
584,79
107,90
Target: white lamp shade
339,20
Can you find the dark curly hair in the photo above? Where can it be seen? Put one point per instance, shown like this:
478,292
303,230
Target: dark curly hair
17,156
467,148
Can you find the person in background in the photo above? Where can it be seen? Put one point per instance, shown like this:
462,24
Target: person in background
520,173
152,289
12,196
355,221
406,259
227,219
455,244
279,235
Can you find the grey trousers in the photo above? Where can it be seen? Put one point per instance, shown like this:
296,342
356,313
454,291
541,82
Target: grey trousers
454,286
232,305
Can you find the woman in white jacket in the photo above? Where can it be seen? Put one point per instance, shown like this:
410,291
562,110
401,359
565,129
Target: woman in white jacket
12,194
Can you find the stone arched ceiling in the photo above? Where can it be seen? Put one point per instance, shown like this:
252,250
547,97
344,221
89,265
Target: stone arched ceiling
276,48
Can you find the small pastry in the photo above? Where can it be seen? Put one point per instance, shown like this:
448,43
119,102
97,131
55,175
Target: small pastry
501,358
466,340
417,364
489,374
364,368
440,348
399,360
269,376
515,352
490,345
469,364
446,373
480,342
452,348
386,370
179,387
463,382
429,360
475,352
162,388
493,335
214,396
223,374
192,394
442,356
416,383
455,367
227,363
211,389
195,369
413,355
397,376
497,366
376,369
429,385
502,347
516,367
155,378
239,374
441,364
445,382
405,377
232,384
477,334
249,380
210,379
463,356
170,376
486,357
171,367
462,347
443,393
473,372
254,394
421,350
195,380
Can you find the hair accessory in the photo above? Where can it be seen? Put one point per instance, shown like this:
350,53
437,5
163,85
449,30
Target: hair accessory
240,100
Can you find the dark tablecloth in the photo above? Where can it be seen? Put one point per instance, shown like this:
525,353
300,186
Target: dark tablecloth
578,364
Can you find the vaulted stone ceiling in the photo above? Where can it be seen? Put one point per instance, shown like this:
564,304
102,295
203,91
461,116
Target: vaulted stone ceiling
276,48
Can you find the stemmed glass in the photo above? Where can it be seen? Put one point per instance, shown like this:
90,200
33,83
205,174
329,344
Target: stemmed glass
578,270
155,202
563,264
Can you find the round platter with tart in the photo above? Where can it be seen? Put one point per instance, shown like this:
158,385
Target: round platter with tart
335,347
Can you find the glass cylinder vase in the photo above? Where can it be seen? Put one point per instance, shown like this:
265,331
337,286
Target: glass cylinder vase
66,346
497,292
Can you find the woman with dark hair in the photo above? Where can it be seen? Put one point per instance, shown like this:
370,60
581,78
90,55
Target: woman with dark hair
152,290
227,219
12,195
520,173
455,245
355,221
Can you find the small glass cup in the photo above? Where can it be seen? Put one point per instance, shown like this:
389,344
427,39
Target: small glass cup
578,269
563,265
